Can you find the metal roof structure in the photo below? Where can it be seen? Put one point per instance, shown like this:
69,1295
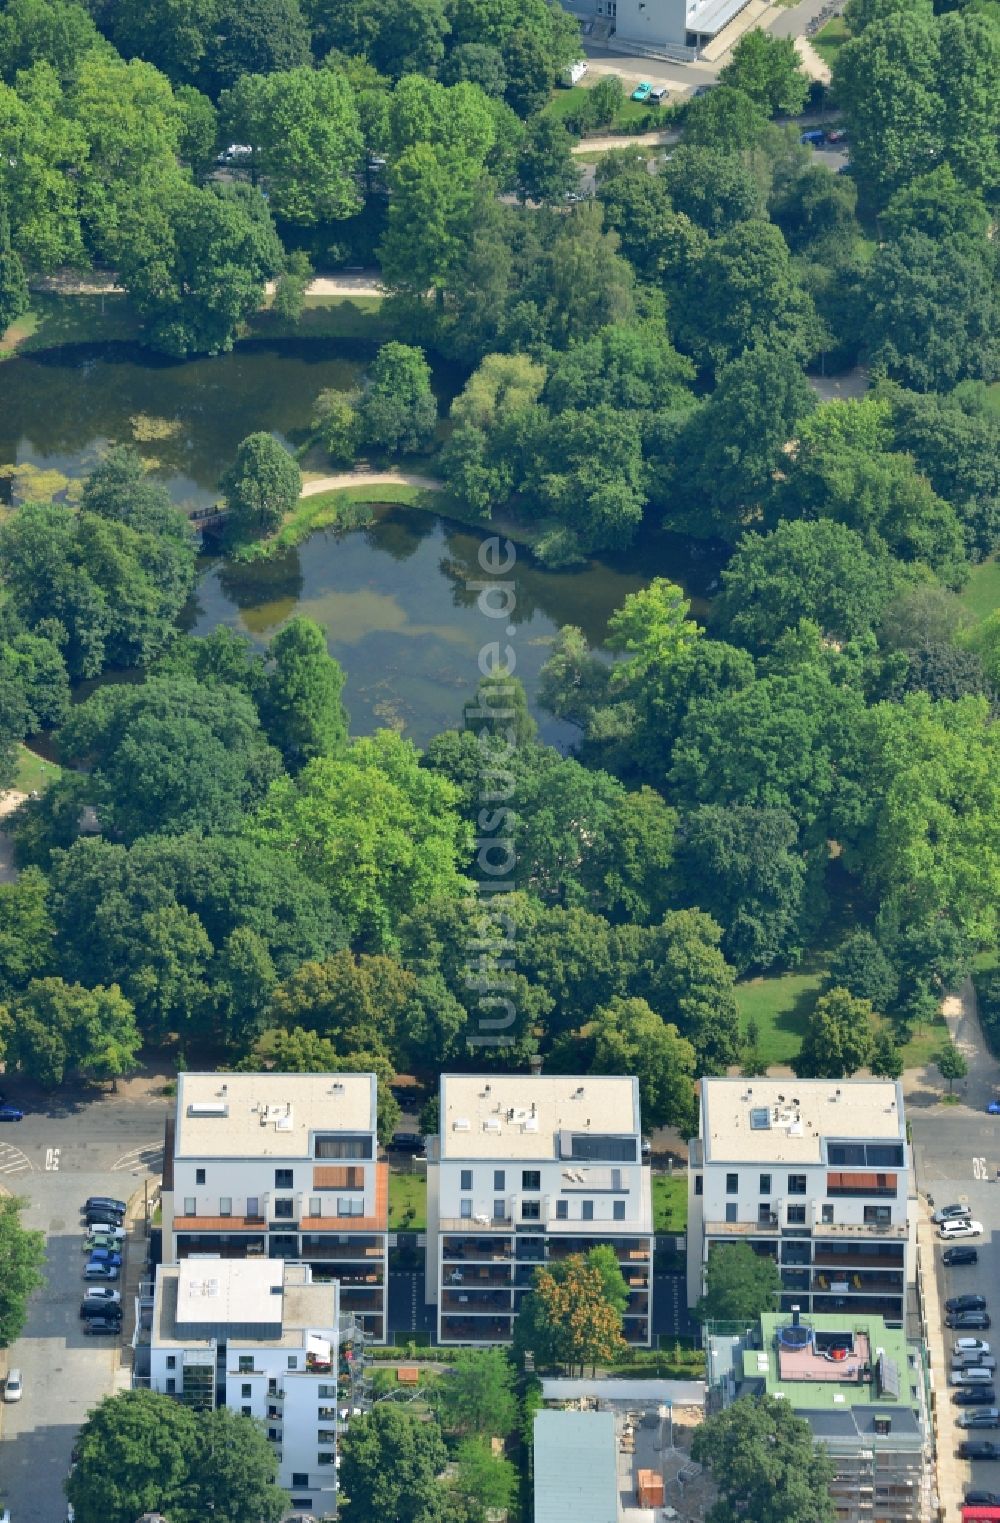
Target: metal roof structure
576,1467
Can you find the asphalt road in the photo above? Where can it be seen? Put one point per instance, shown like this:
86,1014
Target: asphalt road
56,1158
957,1156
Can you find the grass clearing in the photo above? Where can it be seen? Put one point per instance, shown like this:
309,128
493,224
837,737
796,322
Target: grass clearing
670,1202
981,593
829,40
53,320
780,1007
34,774
407,1202
354,317
919,1051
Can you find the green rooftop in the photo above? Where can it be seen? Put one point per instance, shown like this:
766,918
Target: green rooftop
819,1375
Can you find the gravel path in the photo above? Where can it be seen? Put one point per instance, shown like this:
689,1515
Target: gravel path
372,478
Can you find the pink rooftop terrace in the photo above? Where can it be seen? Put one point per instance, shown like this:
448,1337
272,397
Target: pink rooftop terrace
808,1364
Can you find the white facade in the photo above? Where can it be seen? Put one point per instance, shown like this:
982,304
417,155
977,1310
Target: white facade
815,1173
528,1169
282,1166
260,1338
670,28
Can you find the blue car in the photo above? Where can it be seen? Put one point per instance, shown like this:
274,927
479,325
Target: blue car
105,1256
993,1109
11,1113
816,137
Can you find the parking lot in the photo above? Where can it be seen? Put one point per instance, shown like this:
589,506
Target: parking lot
56,1158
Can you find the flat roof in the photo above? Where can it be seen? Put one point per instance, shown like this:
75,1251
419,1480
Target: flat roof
216,1293
229,1290
575,1467
832,1394
269,1115
710,16
522,1115
787,1120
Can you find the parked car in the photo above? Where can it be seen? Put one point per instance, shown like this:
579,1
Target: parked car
989,1417
407,1142
11,1113
106,1256
952,1214
955,1256
975,1396
700,90
96,1270
105,1237
975,1375
982,1499
110,1309
970,1346
659,95
974,1362
101,1218
965,1303
968,1319
836,134
954,1229
642,91
103,1295
815,137
979,1449
13,1388
993,1109
105,1203
95,1325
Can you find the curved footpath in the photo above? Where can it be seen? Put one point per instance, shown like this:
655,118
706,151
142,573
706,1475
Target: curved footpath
372,478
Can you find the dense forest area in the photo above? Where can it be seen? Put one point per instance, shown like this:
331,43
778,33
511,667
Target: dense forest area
817,760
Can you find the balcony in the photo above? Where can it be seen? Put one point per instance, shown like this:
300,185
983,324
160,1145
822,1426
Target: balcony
477,1249
466,1302
855,1231
856,1258
481,1278
770,1228
629,1250
475,1329
332,1252
379,1222
842,1282
481,1223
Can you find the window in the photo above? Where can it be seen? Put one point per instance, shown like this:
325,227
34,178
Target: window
531,1179
253,1205
284,1208
326,1457
796,1184
764,1213
305,1502
828,1215
499,1179
731,1211
246,1411
293,1361
171,1361
500,1210
225,1205
765,1184
326,1391
300,1478
283,1179
245,1366
875,1215
315,1206
587,1210
465,1208
562,1210
732,1184
466,1180
246,1390
699,1185
199,1176
190,1206
618,1210
273,1434
350,1205
531,1210
343,1147
171,1385
796,1216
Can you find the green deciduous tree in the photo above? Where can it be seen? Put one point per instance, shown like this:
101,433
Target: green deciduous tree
569,1318
838,1039
261,486
766,1464
390,1463
886,1060
546,170
477,1395
336,421
59,1028
26,931
13,285
43,149
485,1483
626,1036
715,189
22,1254
398,411
301,706
726,119
951,1064
861,966
739,1285
769,71
749,295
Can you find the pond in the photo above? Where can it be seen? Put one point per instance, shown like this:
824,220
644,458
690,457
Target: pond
394,597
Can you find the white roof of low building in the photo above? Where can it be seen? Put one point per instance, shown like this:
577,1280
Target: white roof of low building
269,1115
643,1394
512,1115
229,1290
787,1120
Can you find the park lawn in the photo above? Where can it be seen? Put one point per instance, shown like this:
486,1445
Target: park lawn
981,593
670,1203
780,1006
829,40
357,317
52,320
565,102
34,774
407,1192
919,1051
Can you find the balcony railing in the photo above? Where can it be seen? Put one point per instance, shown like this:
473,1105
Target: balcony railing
480,1223
470,1250
481,1278
475,1329
466,1302
770,1228
855,1230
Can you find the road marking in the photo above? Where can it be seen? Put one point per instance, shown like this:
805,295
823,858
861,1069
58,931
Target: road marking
12,1160
51,1159
979,1169
147,1157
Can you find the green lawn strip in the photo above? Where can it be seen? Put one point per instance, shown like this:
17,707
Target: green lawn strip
670,1202
780,1006
981,594
53,320
829,40
566,102
407,1193
329,317
928,1039
34,774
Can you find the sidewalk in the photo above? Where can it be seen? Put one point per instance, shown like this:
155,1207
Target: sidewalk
953,1474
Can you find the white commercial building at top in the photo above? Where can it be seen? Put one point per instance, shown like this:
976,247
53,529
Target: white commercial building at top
528,1169
677,28
815,1173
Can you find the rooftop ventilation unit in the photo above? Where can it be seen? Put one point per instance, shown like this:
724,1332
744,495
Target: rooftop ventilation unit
492,1126
208,1108
461,1124
760,1119
283,1124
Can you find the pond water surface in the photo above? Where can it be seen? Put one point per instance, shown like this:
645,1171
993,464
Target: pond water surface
394,597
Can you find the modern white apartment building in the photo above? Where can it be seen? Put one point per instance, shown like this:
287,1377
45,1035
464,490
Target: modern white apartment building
815,1173
260,1337
281,1166
528,1169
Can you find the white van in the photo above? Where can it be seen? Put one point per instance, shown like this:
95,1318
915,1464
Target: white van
13,1389
974,1376
574,74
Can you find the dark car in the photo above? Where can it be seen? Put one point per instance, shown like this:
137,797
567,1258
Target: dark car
989,1417
11,1113
982,1499
101,1218
979,1449
965,1303
974,1321
105,1203
95,1325
976,1396
407,1142
109,1310
955,1256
